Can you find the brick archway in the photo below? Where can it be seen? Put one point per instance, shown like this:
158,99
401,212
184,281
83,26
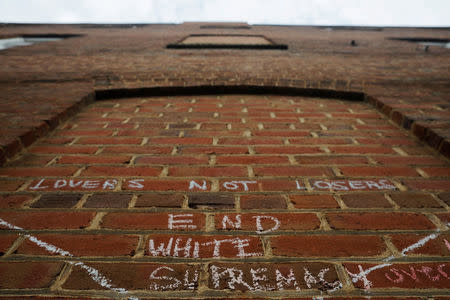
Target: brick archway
216,194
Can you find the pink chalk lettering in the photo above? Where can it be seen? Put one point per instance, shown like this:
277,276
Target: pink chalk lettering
399,278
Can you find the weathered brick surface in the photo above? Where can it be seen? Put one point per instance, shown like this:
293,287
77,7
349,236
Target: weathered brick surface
47,220
154,221
205,196
378,221
6,242
57,201
326,245
28,275
407,276
83,245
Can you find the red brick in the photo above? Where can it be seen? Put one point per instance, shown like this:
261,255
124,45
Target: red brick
33,160
166,185
385,141
48,220
57,201
418,150
181,141
28,275
415,200
407,160
213,126
139,132
263,202
83,245
250,141
160,200
154,221
219,133
109,141
378,171
432,185
287,149
313,201
439,246
109,200
172,160
94,133
57,140
207,246
321,141
13,201
252,221
445,217
361,150
292,171
121,171
265,277
37,171
284,133
10,185
379,221
437,171
92,160
312,115
405,276
212,150
445,197
347,133
245,160
134,276
6,241
232,171
277,185
366,200
327,245
211,200
373,115
137,150
63,149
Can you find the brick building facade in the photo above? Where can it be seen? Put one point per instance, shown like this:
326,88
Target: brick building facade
225,161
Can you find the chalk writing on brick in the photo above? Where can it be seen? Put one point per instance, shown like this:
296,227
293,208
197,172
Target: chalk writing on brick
80,184
204,246
256,277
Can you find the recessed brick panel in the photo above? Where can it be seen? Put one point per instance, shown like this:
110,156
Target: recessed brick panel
57,201
231,189
111,200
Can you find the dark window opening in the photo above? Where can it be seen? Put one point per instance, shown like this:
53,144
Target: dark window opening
445,43
30,39
230,41
225,27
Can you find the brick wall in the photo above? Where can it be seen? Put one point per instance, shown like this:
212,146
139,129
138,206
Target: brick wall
224,196
201,196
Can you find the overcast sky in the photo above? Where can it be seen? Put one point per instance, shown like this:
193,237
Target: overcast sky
302,12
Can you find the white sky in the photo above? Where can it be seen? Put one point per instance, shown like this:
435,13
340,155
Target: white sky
301,12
